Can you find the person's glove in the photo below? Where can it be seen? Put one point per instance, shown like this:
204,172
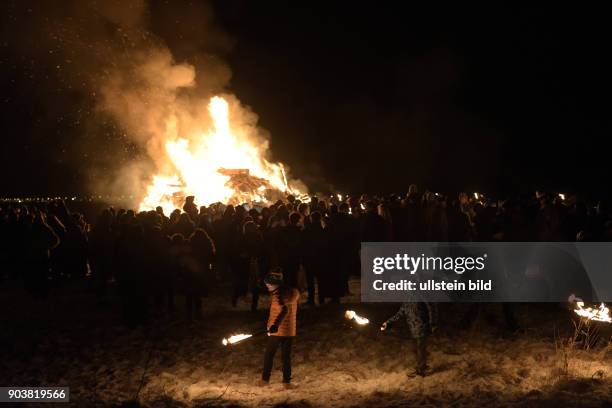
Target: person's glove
273,329
384,326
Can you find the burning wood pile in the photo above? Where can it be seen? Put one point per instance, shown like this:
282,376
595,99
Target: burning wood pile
216,159
247,186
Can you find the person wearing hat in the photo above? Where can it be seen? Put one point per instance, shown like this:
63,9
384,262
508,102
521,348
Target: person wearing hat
281,326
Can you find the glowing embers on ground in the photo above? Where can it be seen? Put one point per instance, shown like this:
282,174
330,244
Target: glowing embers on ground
236,338
222,164
351,315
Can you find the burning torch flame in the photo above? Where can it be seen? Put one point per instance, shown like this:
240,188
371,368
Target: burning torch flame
599,315
562,196
351,315
363,207
476,196
339,197
235,339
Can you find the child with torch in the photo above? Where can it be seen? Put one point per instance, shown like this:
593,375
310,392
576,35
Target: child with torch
421,318
281,326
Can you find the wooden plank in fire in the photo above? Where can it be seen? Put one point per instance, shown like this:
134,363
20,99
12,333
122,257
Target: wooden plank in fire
233,172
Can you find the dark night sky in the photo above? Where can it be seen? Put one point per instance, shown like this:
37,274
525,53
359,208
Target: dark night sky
490,98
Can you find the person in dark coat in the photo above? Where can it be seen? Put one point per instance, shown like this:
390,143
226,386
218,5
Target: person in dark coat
291,249
42,240
198,274
101,245
224,231
159,267
191,208
179,267
373,226
345,238
316,258
247,263
184,226
131,274
421,319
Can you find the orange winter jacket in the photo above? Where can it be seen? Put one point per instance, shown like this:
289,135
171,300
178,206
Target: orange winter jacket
287,321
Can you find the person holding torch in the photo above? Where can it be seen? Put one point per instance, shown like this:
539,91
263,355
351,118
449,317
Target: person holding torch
421,318
281,326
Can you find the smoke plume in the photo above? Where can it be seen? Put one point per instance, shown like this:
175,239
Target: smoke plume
133,91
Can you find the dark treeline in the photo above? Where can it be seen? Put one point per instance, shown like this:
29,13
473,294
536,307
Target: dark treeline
150,257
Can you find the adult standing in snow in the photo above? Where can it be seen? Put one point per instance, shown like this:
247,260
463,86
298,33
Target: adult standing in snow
421,318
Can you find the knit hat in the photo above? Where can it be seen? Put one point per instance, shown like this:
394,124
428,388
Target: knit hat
274,278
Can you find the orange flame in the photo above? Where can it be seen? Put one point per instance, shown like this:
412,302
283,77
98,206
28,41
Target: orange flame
235,339
351,315
203,165
602,314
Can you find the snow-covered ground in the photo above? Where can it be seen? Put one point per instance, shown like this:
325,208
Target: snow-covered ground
69,340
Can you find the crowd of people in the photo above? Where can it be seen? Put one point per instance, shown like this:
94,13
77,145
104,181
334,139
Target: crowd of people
150,257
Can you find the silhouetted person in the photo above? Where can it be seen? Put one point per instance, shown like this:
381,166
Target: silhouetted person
248,263
179,267
101,245
198,277
316,258
421,319
160,274
291,249
191,208
42,240
131,274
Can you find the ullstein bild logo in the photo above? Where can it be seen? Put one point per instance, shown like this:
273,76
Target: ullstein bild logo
485,272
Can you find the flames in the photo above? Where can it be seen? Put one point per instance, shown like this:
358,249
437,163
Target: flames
351,315
220,164
235,339
601,314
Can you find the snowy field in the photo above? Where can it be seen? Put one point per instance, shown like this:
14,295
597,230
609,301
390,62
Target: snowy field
69,340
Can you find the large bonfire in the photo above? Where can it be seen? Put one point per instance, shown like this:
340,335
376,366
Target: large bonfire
220,164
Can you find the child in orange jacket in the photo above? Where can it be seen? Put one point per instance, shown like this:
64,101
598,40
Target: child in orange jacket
281,326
